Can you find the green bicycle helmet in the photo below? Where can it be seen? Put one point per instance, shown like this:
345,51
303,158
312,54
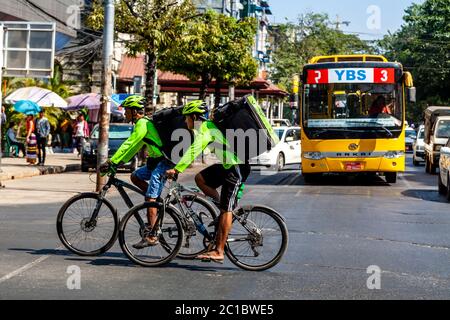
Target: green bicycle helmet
195,107
136,102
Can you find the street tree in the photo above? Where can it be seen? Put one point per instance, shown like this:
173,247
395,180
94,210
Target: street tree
154,27
214,47
312,35
422,45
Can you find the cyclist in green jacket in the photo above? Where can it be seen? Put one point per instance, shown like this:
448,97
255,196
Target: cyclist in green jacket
230,174
144,133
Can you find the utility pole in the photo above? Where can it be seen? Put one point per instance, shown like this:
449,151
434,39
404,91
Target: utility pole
108,49
338,23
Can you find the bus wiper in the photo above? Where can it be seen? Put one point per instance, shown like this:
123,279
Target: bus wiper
381,126
317,133
389,132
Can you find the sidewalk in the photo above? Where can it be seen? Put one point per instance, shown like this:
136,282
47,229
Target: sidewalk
17,168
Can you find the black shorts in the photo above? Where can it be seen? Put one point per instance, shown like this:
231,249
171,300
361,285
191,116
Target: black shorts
229,179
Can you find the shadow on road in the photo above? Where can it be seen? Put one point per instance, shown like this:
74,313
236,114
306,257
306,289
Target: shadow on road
425,194
118,259
295,178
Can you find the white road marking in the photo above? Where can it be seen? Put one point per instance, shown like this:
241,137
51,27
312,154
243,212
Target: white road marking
25,267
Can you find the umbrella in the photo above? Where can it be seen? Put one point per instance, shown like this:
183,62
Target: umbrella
43,97
27,107
86,100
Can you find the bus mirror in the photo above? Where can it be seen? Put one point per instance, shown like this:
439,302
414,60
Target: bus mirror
411,94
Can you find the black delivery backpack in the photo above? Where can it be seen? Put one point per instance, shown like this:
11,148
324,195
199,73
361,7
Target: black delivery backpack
166,121
245,126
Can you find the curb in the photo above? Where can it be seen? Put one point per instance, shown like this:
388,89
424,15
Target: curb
38,171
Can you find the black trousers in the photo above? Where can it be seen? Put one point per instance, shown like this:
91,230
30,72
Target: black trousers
41,144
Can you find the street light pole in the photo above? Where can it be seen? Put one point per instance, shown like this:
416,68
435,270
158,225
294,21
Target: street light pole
108,49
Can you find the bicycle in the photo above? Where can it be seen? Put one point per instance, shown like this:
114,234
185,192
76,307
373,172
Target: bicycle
88,224
251,232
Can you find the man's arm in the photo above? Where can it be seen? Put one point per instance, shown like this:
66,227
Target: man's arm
201,141
132,145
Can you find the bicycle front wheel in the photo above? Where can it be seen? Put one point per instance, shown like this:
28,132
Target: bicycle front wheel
258,238
87,225
133,228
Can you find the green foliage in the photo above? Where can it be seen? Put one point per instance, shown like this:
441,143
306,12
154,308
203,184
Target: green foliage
422,45
154,27
215,46
311,36
54,84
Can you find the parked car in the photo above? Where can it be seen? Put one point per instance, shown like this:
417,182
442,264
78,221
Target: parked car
444,171
118,133
280,123
419,147
437,132
410,137
287,151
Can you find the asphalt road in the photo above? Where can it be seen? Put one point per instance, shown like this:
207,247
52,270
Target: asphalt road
337,229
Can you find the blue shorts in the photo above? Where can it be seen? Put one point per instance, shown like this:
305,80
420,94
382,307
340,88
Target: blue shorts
154,177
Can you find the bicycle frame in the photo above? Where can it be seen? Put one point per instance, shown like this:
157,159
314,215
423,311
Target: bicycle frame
120,185
175,193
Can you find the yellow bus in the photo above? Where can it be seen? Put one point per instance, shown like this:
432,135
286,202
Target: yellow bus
353,115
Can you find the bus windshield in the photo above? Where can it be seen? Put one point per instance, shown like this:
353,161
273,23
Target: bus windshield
352,110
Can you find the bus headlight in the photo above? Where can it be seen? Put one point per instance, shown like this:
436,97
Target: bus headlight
313,155
394,154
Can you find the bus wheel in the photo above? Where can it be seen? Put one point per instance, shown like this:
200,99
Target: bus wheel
391,177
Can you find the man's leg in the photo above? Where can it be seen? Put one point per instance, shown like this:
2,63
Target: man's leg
211,178
43,143
39,151
155,186
207,190
141,184
230,188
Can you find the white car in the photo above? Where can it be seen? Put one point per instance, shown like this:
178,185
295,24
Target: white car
287,151
410,137
280,122
419,147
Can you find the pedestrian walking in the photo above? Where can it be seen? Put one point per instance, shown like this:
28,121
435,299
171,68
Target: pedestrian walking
31,140
42,133
81,132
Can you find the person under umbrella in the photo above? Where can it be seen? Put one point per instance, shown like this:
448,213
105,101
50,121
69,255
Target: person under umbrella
31,139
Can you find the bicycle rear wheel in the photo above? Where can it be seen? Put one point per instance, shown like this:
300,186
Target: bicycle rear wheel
170,236
258,238
193,241
81,234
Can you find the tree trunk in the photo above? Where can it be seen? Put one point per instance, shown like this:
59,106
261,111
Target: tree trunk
217,93
150,72
204,86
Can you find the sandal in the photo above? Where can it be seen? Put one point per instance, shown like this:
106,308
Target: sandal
207,258
146,242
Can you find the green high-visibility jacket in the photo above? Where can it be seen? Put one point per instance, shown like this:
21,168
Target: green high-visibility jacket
208,134
144,133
